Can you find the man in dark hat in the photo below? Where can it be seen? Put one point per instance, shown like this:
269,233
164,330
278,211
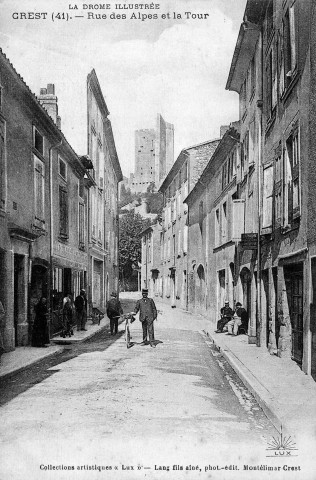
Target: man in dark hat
81,310
227,314
147,314
113,311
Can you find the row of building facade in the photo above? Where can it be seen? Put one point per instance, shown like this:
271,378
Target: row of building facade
58,210
244,230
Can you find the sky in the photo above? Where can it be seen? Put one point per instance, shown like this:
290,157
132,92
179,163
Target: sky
175,67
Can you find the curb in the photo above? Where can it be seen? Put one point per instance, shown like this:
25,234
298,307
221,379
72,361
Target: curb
5,376
70,341
261,394
62,344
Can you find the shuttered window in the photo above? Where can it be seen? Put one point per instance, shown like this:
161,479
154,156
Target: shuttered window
63,212
39,187
82,225
267,197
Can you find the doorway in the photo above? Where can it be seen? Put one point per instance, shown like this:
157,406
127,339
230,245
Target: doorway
293,275
67,281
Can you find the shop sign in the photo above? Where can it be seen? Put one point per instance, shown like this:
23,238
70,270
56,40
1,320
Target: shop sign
249,241
70,253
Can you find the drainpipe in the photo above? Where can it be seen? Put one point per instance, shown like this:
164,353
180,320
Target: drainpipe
51,236
259,313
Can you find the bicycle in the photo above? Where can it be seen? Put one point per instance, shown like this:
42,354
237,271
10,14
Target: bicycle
129,318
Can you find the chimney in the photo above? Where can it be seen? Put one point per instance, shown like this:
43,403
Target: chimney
48,100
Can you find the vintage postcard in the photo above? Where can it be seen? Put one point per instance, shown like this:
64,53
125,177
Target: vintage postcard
157,165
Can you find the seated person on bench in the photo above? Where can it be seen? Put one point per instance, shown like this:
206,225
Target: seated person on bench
227,314
239,322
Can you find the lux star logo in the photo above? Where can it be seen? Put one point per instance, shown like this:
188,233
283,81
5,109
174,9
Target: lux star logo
281,446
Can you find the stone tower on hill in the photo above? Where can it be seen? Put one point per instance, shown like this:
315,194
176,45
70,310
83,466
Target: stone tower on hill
154,155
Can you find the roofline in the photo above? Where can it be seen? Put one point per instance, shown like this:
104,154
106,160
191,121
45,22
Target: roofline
56,130
244,30
203,143
92,80
113,152
230,133
253,16
180,160
177,163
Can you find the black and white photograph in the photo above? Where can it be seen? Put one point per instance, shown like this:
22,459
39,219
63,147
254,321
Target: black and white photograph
158,240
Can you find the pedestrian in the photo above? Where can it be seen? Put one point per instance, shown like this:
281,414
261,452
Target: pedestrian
68,314
40,335
227,314
2,326
113,311
240,320
81,310
147,314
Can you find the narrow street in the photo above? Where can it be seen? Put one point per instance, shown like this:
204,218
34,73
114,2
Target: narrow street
179,404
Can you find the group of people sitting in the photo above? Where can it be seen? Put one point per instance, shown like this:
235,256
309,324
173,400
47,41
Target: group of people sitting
233,322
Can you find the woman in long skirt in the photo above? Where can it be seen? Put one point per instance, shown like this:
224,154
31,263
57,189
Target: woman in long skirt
40,336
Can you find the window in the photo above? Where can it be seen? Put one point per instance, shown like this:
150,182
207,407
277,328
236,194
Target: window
224,221
63,212
39,188
58,280
81,189
267,197
185,239
244,155
224,175
291,171
62,168
179,203
278,210
289,45
162,246
179,243
217,228
81,222
38,141
271,81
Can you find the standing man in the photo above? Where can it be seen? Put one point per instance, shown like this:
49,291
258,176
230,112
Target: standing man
81,310
113,311
147,314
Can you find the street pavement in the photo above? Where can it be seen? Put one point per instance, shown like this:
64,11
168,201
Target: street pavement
173,412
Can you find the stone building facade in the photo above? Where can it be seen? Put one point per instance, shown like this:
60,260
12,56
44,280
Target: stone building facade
216,221
269,263
103,199
174,236
286,254
40,174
